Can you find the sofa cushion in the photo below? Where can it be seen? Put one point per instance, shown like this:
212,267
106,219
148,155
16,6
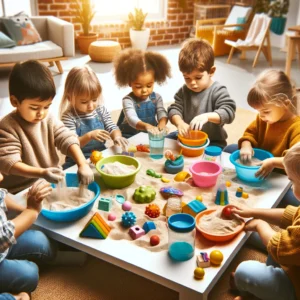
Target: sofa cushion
21,29
42,50
5,41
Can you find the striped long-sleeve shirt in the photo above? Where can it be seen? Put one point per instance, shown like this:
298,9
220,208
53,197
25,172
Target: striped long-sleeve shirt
70,117
7,228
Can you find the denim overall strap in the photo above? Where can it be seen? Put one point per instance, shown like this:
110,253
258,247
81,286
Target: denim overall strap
146,111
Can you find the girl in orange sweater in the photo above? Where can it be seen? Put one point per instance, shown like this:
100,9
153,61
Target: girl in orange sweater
279,277
277,126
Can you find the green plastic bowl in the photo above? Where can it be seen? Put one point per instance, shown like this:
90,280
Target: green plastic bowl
118,181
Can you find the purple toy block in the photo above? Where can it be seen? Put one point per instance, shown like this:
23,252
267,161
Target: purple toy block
136,231
149,225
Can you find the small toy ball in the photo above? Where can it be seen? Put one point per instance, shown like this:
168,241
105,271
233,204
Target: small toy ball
216,257
95,156
199,198
128,219
228,183
154,240
126,206
152,210
227,212
199,273
111,217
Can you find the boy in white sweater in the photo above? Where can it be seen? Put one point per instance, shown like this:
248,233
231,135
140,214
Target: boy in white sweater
29,137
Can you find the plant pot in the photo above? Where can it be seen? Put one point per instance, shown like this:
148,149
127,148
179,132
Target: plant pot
278,25
139,38
84,41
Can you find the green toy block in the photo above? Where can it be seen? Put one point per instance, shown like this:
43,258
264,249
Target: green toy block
105,204
91,232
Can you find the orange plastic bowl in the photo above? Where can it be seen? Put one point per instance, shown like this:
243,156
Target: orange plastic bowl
192,152
197,138
215,237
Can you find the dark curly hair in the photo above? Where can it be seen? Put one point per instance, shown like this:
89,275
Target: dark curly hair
196,54
131,62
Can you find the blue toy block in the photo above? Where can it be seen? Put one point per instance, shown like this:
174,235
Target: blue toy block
193,208
222,196
91,232
104,204
149,226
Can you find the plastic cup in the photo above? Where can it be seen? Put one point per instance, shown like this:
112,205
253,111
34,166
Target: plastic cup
156,143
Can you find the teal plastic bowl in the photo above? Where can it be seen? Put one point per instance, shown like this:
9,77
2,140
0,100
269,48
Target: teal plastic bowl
75,213
247,173
118,181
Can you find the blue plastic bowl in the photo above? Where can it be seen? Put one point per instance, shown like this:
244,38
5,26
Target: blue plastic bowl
75,213
247,173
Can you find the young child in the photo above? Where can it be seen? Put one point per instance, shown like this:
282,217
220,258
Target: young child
279,277
29,137
82,113
21,248
201,103
277,126
143,109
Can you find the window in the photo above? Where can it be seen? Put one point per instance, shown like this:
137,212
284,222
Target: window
13,7
118,10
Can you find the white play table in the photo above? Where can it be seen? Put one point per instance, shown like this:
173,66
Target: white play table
157,266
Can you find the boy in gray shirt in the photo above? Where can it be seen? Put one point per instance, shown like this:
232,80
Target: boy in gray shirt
201,103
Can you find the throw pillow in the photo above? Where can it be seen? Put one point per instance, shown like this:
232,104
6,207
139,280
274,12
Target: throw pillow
240,20
21,29
5,41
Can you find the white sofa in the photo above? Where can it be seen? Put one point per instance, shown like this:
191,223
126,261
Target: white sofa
57,43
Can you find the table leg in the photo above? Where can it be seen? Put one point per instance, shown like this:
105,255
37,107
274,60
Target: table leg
187,294
289,57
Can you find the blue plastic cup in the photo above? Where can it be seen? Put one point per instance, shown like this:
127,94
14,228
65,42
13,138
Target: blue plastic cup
156,143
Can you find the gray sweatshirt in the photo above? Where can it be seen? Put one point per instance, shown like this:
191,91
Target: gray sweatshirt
189,104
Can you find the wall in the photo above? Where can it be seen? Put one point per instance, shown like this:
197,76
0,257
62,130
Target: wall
173,30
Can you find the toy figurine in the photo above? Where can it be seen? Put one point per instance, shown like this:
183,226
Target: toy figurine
152,173
222,195
143,148
239,192
95,156
169,155
173,164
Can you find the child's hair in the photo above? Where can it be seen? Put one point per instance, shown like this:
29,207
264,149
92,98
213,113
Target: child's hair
31,79
273,87
81,81
291,160
131,62
196,54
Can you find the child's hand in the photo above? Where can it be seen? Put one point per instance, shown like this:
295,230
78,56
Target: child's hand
244,212
85,174
246,154
183,129
53,175
152,129
99,135
198,122
40,190
121,142
266,168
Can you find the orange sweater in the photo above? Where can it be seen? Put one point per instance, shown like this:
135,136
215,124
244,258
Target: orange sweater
276,138
284,246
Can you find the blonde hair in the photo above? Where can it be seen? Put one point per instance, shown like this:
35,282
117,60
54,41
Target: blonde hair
291,161
273,87
81,81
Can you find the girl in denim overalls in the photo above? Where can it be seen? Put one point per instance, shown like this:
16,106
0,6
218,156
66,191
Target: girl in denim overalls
81,112
143,109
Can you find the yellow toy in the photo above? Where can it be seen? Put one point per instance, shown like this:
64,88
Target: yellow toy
245,195
95,156
182,176
216,257
199,198
199,273
228,183
165,180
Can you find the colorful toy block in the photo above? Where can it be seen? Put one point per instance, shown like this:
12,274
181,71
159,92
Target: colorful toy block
105,204
203,260
149,225
193,208
239,192
222,195
96,228
136,231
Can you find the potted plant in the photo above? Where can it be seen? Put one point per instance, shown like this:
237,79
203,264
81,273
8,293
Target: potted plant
278,10
84,13
139,35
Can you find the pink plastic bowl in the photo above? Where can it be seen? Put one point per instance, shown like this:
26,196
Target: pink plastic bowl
205,173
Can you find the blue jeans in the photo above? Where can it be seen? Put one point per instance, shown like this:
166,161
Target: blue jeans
266,282
18,271
6,296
